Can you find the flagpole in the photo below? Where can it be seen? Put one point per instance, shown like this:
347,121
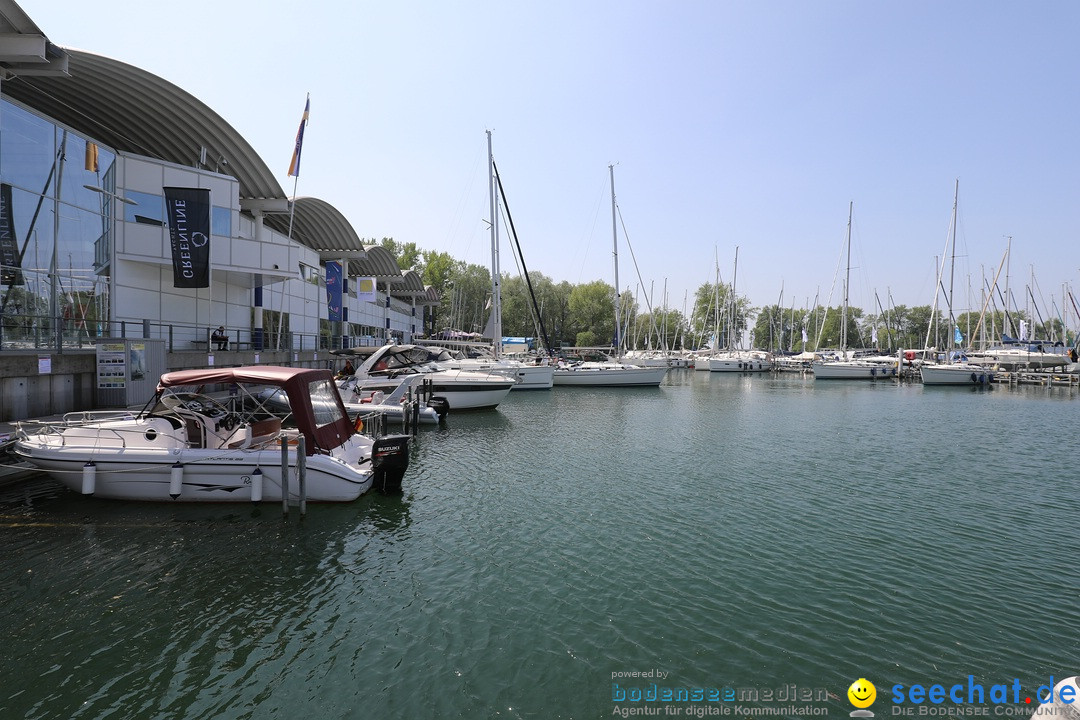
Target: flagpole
281,305
294,170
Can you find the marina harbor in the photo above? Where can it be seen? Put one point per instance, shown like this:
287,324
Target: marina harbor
539,361
692,527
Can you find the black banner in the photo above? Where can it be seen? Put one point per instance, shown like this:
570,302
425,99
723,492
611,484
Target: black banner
10,265
188,211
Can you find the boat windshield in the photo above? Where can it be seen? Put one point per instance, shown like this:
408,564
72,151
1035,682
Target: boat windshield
324,402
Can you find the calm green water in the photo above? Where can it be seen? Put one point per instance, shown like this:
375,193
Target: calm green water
748,532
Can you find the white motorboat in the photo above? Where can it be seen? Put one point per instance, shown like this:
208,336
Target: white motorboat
386,367
409,403
190,446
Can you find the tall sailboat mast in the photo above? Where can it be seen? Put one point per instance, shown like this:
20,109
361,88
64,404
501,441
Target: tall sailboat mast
615,255
732,322
847,283
952,265
496,298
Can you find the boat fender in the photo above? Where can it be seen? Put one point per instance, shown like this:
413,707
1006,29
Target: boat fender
176,480
256,485
873,372
974,378
89,477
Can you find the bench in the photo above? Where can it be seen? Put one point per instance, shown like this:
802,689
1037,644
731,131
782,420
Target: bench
260,433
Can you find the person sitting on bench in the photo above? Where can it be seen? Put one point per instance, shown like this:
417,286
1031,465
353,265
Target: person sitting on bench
220,338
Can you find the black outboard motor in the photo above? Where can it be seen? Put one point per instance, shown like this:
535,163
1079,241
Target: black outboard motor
390,460
440,405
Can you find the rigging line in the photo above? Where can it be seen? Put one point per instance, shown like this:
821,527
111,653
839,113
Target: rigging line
455,223
513,231
518,263
648,304
1035,304
1035,282
828,303
592,230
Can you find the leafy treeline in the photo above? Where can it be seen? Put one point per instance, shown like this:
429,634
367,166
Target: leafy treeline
584,315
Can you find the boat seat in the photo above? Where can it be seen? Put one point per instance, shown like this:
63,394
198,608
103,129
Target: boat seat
194,432
260,433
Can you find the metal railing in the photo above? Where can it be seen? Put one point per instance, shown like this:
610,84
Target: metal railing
44,333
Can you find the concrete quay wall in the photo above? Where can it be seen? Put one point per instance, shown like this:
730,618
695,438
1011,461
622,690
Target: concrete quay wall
70,384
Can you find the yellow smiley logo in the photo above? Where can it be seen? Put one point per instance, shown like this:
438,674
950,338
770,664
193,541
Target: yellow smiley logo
862,693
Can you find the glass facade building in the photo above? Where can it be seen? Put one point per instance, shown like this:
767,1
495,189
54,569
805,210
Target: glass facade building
56,227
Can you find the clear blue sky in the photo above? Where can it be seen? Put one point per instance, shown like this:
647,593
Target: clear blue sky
750,124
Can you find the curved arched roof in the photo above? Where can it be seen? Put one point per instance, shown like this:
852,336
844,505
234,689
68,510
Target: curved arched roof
135,111
318,225
411,286
378,263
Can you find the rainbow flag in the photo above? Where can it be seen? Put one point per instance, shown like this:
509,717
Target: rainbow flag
294,164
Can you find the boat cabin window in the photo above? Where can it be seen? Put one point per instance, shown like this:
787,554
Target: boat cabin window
324,402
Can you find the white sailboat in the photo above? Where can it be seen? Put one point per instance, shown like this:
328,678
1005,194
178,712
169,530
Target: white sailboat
732,360
957,369
844,368
536,376
612,373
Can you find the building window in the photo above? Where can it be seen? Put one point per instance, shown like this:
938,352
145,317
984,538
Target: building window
147,210
221,222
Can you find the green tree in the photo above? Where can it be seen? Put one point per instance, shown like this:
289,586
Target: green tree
714,315
831,328
465,304
592,309
780,329
916,320
586,338
407,255
976,335
663,328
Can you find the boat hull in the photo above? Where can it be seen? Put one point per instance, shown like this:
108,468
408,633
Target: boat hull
425,415
739,364
534,377
206,475
610,377
527,377
462,390
956,374
851,370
